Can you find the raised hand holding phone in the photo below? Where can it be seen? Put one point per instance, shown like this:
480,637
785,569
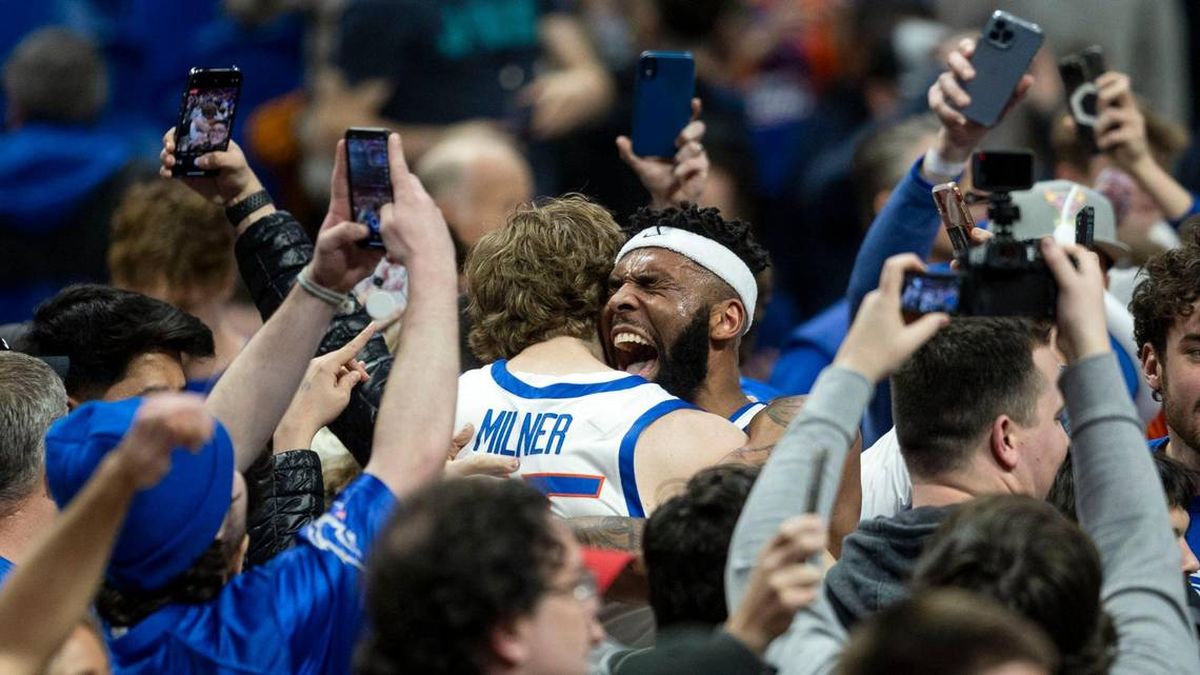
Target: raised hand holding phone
960,135
880,340
206,114
683,177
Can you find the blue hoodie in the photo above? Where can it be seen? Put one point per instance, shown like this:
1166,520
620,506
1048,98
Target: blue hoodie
47,171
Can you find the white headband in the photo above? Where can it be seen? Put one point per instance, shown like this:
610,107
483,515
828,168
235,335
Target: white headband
706,253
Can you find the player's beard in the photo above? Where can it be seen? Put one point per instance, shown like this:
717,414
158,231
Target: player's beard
1181,417
683,366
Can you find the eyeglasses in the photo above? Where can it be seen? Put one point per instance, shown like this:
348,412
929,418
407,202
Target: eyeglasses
583,590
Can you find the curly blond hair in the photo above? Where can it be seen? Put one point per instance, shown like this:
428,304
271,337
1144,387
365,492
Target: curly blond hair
541,276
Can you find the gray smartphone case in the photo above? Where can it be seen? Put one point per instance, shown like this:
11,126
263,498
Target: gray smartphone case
1002,55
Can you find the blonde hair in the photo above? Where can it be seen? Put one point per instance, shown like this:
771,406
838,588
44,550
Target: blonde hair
163,233
541,276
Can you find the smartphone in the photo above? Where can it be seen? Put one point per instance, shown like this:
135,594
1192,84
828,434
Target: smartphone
369,178
1079,72
662,101
926,292
1085,226
955,217
206,114
1002,170
1002,55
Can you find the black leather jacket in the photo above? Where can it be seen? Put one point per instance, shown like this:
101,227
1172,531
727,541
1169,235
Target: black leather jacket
286,492
270,253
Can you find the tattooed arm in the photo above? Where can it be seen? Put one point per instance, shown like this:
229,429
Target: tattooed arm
611,532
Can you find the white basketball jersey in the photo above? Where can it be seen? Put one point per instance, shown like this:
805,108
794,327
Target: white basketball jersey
574,435
743,416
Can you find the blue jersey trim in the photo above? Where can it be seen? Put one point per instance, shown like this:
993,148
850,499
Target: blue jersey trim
740,411
562,485
633,500
508,382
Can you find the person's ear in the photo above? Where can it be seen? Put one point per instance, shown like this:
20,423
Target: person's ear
1151,367
1002,443
727,320
72,403
508,642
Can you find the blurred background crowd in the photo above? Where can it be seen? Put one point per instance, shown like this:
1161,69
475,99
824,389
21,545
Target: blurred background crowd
815,109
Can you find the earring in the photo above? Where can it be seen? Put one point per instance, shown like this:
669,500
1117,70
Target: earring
1156,395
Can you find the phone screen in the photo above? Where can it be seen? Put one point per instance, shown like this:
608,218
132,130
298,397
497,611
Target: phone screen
925,293
370,180
206,116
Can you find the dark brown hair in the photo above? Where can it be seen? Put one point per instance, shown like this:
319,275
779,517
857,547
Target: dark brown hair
1169,286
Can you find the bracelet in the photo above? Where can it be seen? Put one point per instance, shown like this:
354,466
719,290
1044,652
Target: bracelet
339,301
236,213
935,164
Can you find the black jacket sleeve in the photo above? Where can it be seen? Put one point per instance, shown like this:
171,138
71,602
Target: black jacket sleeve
270,254
286,492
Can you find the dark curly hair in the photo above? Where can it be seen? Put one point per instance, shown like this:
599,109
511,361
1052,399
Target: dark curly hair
735,235
1022,553
100,329
686,544
1169,287
462,557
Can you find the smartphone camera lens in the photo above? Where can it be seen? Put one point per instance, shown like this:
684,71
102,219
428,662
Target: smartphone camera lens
1001,24
994,35
649,67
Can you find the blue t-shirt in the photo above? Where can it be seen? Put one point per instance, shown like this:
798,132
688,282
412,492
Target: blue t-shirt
300,613
5,568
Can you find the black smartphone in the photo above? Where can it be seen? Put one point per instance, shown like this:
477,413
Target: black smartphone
955,217
1079,72
662,101
1085,226
1002,170
206,114
1002,55
369,177
926,292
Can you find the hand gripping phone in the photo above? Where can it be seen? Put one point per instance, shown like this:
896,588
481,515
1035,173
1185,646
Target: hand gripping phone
662,101
369,177
206,114
1002,55
1079,72
955,217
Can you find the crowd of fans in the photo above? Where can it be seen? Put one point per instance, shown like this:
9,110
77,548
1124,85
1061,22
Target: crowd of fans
586,411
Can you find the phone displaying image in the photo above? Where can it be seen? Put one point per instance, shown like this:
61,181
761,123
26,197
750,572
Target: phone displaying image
662,101
1079,72
1002,55
926,292
369,178
206,114
955,217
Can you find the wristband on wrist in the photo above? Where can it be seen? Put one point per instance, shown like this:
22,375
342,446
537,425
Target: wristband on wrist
339,301
937,165
236,213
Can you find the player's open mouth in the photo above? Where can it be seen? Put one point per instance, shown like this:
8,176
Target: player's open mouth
634,353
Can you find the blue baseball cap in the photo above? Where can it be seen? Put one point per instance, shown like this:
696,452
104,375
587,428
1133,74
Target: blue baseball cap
168,525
